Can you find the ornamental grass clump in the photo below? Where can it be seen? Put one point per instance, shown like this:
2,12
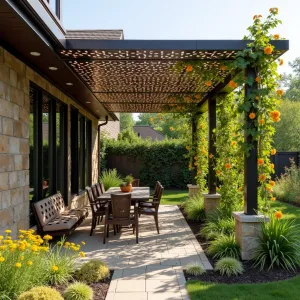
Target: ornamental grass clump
92,271
110,178
194,269
41,293
229,266
279,244
194,208
224,246
78,291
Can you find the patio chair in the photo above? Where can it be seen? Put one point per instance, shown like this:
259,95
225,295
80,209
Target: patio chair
121,215
136,183
96,189
151,208
102,187
98,209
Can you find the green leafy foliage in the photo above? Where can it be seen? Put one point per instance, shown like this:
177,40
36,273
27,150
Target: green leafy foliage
287,187
92,271
229,266
194,269
41,293
279,245
224,246
78,291
163,161
110,178
194,207
129,179
126,121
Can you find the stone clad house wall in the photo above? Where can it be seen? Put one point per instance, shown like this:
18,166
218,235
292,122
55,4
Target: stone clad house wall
15,78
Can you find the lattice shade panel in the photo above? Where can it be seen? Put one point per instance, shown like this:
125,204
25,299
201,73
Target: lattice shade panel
135,108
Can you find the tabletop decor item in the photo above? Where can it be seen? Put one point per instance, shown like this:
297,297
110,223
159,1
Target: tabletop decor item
126,186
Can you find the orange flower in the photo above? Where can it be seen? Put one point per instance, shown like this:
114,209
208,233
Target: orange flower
232,84
208,83
261,122
199,172
269,188
273,198
188,99
268,50
275,115
252,115
195,157
227,166
210,155
256,97
278,214
171,128
197,96
260,161
274,10
276,36
281,62
279,92
203,151
272,183
272,166
240,189
150,120
188,148
233,143
195,163
189,68
262,177
258,79
223,68
273,151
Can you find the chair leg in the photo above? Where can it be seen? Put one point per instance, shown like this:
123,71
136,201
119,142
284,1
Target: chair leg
133,227
137,232
98,220
107,234
104,233
101,218
93,226
156,223
114,229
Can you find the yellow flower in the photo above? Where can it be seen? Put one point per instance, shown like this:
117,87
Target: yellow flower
82,254
268,50
21,236
188,148
276,36
22,257
272,183
34,248
54,268
189,68
261,122
232,84
281,62
278,214
1,237
2,259
269,188
195,163
47,237
273,151
208,83
150,120
29,263
279,92
262,177
252,115
18,265
196,157
171,128
259,16
273,198
8,231
83,243
272,166
218,172
227,166
233,143
260,161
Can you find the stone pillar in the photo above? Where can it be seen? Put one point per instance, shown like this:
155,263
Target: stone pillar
193,189
211,202
247,230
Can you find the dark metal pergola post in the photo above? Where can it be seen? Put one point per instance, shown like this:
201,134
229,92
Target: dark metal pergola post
194,145
212,123
250,162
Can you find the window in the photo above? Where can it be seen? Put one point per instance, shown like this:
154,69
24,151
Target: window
48,145
55,6
81,156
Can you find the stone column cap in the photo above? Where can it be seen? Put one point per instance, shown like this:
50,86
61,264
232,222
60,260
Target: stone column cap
242,217
211,196
192,186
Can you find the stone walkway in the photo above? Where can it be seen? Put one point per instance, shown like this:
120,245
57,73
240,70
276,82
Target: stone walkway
151,269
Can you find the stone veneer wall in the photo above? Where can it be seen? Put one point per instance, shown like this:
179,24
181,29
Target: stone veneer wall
15,79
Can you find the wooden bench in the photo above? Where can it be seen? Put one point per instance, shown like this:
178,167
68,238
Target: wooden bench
53,217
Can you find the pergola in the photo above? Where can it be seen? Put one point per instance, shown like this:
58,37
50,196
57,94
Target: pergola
138,76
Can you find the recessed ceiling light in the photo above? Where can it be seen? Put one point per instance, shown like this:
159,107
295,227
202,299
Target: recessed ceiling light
69,83
35,53
52,68
87,102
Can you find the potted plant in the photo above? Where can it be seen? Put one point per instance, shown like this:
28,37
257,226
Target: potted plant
126,186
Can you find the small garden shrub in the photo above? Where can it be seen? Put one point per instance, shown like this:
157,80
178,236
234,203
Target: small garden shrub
229,266
194,208
110,178
224,246
217,226
92,271
279,245
194,269
41,293
78,291
287,187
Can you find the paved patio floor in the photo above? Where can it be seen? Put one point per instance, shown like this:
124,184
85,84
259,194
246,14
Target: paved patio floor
151,269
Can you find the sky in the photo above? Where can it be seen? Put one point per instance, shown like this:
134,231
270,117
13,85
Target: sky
184,19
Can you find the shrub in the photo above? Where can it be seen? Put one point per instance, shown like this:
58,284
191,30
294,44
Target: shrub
224,246
194,208
218,225
278,245
92,271
195,269
78,291
41,293
229,266
287,186
110,178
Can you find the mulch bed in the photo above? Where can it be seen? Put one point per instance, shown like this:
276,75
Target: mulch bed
100,288
250,275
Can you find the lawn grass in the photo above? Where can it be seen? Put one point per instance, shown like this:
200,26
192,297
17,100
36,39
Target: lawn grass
289,211
174,197
280,290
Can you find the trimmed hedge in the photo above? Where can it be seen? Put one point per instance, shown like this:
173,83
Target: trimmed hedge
164,161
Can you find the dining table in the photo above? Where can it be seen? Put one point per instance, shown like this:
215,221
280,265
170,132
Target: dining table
138,194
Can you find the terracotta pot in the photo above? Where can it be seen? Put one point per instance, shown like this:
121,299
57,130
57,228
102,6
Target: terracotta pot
126,189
